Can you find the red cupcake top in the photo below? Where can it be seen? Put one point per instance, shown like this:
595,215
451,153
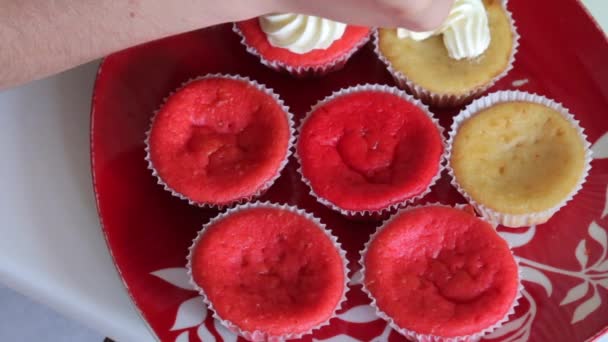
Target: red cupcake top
368,150
269,269
217,140
441,271
254,37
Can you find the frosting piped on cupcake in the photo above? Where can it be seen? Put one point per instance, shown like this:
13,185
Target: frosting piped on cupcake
466,32
300,33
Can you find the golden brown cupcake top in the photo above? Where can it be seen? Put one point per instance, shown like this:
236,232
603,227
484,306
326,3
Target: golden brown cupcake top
518,157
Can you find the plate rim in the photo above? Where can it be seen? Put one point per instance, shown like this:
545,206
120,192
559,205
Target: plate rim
133,302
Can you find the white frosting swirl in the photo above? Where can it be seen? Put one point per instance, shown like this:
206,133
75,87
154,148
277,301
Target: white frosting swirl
466,32
300,33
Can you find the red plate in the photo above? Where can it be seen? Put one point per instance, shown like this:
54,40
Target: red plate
563,55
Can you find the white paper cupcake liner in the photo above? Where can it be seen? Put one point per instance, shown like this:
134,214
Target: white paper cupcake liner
410,334
505,219
376,88
303,71
267,184
259,335
448,100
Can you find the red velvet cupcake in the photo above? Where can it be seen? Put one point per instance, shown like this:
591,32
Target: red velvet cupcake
438,273
219,140
369,149
300,44
269,272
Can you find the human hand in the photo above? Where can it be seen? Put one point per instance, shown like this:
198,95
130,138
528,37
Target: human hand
35,32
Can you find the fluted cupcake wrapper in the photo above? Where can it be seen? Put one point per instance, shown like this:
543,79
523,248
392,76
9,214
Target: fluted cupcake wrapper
443,99
264,186
411,334
506,219
259,335
302,71
392,207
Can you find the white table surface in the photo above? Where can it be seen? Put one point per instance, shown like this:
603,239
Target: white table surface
51,245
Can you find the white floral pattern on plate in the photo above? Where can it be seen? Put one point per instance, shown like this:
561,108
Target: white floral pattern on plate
519,329
192,312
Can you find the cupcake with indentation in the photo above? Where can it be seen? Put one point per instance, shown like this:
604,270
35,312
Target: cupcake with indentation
437,273
219,140
269,272
368,149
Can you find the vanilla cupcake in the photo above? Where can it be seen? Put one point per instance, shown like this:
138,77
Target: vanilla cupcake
517,157
466,55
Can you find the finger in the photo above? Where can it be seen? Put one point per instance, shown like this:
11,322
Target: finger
433,16
359,12
416,15
422,15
